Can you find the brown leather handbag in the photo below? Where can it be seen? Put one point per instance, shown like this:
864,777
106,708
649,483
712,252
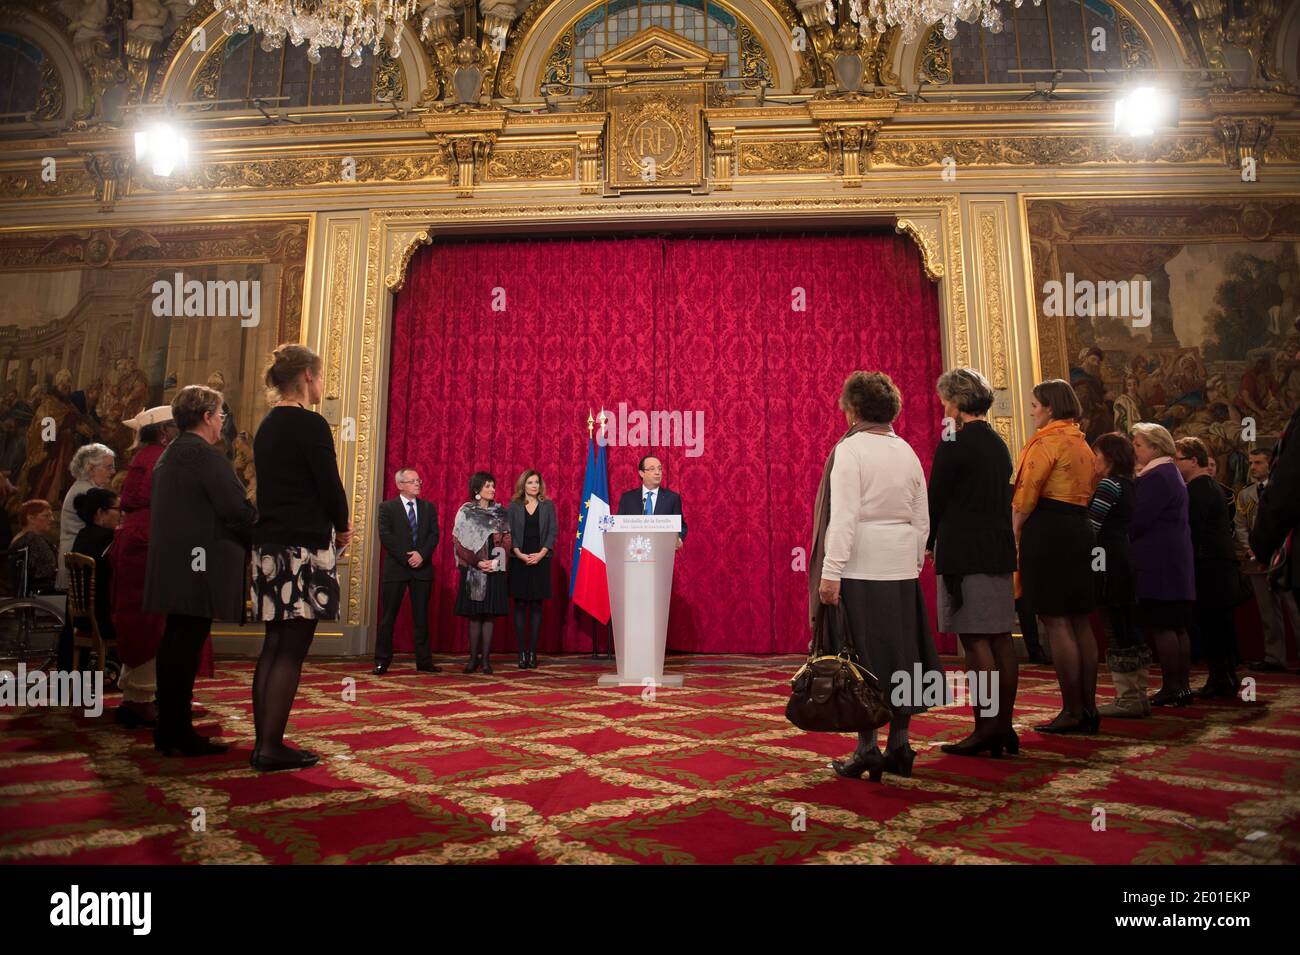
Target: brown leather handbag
833,692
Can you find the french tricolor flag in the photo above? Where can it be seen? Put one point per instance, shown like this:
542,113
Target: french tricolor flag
588,582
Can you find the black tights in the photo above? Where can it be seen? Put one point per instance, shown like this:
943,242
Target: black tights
994,653
1174,651
1074,654
480,637
275,683
178,663
532,609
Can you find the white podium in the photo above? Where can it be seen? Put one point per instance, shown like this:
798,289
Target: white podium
639,554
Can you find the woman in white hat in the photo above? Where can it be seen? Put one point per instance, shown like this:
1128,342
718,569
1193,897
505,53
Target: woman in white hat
138,633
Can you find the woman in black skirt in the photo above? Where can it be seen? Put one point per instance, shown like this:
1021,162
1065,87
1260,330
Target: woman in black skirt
532,529
1111,513
871,521
1053,486
481,539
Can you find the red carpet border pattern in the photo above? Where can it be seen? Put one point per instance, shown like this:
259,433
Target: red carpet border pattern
541,766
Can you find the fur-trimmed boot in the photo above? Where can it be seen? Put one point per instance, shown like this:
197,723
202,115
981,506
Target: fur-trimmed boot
1128,671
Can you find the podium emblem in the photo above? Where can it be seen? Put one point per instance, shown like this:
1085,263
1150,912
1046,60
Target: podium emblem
606,522
638,549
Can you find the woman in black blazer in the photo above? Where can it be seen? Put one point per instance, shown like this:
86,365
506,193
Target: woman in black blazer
974,553
532,529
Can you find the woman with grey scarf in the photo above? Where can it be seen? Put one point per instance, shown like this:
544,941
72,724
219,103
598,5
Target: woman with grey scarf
481,539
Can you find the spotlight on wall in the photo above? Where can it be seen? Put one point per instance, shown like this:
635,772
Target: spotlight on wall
162,148
1142,110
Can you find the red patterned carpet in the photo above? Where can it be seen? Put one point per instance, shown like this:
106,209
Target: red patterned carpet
541,766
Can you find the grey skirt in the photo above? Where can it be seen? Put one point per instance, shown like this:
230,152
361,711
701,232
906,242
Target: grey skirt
891,632
988,605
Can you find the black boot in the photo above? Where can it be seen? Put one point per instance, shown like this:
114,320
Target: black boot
865,759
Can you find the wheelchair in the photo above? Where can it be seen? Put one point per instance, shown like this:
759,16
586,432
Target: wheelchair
30,623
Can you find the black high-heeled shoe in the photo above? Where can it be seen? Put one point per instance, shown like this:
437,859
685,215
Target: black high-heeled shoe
863,760
487,665
472,666
899,761
1064,723
532,659
192,745
1091,722
981,741
523,661
1165,696
1184,698
300,759
1011,742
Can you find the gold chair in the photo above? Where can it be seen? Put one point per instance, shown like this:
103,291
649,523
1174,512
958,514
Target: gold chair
86,634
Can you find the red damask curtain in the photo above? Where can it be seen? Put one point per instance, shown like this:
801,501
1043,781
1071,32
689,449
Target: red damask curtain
757,331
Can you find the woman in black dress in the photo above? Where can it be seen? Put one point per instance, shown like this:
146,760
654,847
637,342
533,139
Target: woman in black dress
1110,512
481,539
532,528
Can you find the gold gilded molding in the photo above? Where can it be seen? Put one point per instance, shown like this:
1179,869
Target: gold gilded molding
993,298
507,164
71,179
292,172
342,237
401,246
1045,150
798,156
1002,425
926,237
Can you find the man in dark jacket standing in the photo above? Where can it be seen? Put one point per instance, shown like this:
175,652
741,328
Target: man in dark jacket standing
652,497
199,530
1278,515
408,529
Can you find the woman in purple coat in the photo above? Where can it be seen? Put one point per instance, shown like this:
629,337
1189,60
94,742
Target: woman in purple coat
1162,557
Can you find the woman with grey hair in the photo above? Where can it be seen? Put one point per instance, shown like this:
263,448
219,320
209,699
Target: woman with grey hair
974,553
93,465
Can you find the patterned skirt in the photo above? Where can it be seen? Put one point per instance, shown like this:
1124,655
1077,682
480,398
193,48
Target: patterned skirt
294,583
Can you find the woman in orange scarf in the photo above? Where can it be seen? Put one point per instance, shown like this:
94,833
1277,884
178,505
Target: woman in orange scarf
1049,514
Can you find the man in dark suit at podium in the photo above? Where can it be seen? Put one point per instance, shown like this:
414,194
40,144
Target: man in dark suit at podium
408,531
651,497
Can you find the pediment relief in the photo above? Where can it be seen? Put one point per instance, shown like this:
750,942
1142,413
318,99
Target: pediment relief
656,51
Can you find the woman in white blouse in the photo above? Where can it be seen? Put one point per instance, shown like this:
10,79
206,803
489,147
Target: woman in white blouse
870,537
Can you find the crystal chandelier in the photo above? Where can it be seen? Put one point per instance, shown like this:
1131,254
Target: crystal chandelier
349,25
914,17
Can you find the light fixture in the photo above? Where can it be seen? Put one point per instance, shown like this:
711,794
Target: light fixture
162,147
1141,110
914,17
348,25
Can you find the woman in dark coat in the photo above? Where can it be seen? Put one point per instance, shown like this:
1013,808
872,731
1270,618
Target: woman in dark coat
974,553
532,529
199,529
1214,560
1162,559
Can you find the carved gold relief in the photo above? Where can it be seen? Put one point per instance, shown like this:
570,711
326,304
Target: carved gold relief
292,172
1044,150
794,157
995,317
402,245
338,306
655,137
926,237
531,164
